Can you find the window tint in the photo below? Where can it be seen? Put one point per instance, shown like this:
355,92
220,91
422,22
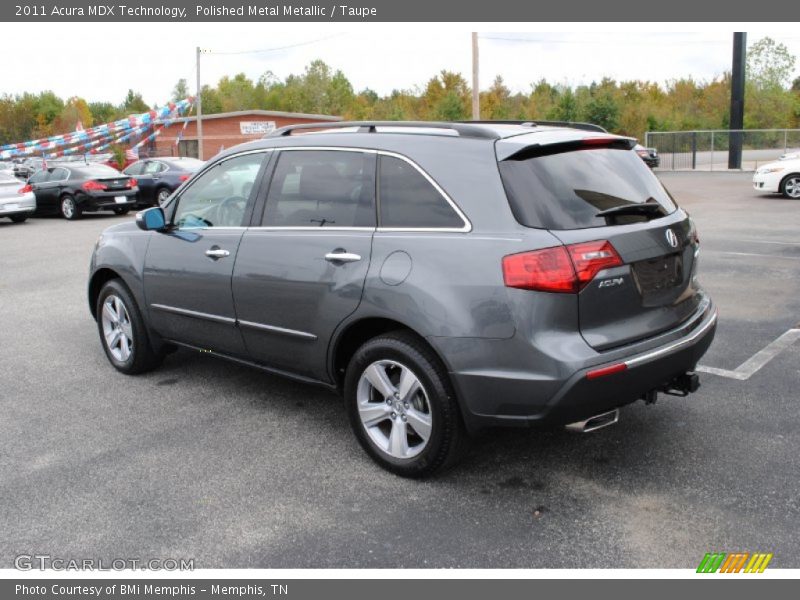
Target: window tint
322,188
219,196
567,189
153,167
134,169
39,177
409,200
59,174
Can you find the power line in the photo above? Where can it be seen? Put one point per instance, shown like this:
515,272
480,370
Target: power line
276,49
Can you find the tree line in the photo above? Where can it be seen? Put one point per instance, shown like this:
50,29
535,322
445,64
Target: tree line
626,107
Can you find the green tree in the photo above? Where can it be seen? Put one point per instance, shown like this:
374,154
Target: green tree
134,103
180,91
769,64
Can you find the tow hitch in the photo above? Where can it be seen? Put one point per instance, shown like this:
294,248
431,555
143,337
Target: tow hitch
682,385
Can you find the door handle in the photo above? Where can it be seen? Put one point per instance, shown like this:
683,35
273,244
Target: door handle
216,253
342,257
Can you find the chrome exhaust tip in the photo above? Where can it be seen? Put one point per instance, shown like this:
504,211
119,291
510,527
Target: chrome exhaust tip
594,423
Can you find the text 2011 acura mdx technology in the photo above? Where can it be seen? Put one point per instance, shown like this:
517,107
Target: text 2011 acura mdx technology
444,277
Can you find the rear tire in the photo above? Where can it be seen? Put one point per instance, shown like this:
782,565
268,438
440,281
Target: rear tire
402,407
161,196
69,208
790,186
123,332
19,218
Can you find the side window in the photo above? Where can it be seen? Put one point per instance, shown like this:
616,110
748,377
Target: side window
39,177
322,188
58,174
153,167
134,169
219,196
409,200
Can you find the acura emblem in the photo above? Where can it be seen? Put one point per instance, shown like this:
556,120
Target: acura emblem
672,239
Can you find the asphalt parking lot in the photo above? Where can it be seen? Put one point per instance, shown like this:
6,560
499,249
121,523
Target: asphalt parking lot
208,460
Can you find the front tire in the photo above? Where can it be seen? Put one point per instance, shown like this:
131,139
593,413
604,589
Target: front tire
402,407
122,329
790,187
69,208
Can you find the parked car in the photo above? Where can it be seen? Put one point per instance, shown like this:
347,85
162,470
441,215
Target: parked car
456,277
782,176
648,155
72,190
27,167
15,202
159,177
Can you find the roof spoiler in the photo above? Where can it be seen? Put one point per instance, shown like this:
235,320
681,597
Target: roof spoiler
568,124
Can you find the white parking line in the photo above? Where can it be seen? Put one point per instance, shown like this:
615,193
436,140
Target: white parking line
749,367
752,254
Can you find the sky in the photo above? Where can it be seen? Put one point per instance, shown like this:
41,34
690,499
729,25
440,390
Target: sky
151,57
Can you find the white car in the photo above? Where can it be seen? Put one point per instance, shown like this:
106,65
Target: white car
16,202
781,176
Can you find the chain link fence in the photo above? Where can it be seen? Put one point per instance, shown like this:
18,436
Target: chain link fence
707,150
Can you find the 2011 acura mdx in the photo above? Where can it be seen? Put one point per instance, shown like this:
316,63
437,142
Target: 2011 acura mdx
445,277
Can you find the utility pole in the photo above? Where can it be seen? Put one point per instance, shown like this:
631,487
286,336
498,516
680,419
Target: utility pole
737,100
476,90
199,110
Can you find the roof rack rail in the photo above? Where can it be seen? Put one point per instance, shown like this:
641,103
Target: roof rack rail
462,129
569,124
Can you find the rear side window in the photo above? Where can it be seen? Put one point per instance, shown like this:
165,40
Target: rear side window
409,201
566,189
322,188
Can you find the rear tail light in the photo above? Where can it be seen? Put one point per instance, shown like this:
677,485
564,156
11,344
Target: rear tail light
25,189
132,183
183,178
565,269
94,186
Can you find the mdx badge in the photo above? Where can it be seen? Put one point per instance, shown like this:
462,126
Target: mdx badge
672,239
605,283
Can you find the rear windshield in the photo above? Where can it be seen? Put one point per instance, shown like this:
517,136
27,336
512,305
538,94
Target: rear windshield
95,171
566,189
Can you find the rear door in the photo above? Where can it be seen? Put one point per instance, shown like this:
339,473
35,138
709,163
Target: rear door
136,171
302,271
187,271
565,187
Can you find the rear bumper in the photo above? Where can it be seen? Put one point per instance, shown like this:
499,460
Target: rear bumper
25,205
106,200
512,398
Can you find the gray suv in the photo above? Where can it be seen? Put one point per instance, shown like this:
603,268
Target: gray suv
444,277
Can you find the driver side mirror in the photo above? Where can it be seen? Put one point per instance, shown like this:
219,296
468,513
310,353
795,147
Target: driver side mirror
152,219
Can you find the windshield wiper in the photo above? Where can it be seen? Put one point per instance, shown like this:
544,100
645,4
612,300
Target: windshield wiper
649,209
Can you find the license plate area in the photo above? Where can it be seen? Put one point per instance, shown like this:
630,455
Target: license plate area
658,275
120,199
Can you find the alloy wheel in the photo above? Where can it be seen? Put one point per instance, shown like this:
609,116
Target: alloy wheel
394,409
68,207
792,187
117,328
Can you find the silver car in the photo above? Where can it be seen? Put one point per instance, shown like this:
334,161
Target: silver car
17,201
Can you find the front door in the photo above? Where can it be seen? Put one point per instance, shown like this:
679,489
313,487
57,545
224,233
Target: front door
188,269
302,272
